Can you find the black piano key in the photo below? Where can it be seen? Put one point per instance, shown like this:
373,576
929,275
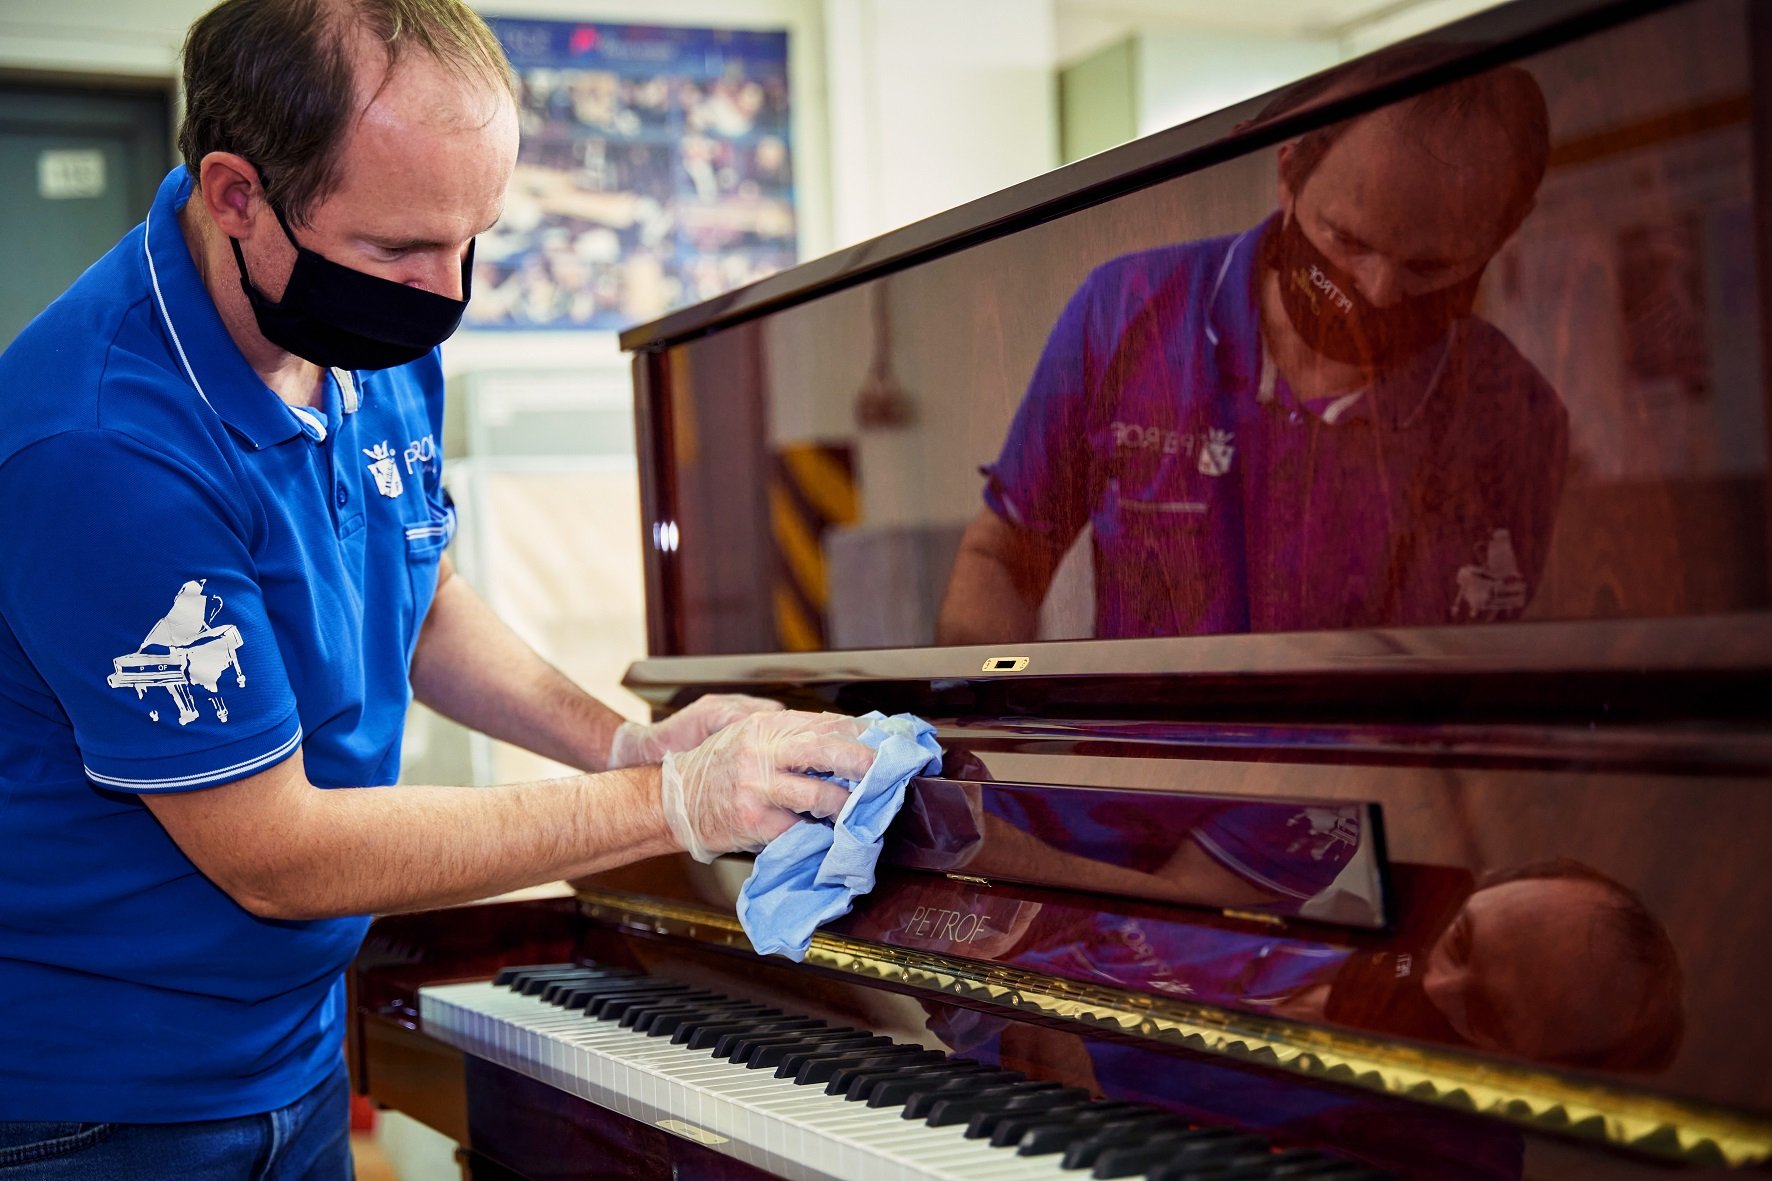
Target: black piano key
1198,1145
668,1023
610,1006
943,1110
1026,1101
820,1068
638,1015
554,993
1058,1134
532,981
854,1084
1006,1128
581,994
507,975
738,1046
771,1057
895,1089
1082,1154
843,1077
726,1020
706,1037
918,1105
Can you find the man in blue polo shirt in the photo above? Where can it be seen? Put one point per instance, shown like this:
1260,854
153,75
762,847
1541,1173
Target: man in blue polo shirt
225,580
1299,426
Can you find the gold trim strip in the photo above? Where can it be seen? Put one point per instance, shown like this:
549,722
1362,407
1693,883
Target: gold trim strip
1684,1130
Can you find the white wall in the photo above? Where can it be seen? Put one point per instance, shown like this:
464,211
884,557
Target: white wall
138,39
1182,76
934,103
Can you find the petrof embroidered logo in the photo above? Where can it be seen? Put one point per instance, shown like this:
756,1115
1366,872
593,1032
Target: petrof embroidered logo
386,469
1338,299
1216,453
184,650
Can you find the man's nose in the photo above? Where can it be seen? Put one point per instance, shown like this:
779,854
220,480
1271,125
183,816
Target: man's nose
1380,280
441,273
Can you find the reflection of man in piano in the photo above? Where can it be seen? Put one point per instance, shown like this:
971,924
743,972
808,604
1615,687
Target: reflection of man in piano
1552,962
1303,425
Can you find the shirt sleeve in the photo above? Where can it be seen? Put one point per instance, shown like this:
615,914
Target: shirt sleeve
133,590
1043,480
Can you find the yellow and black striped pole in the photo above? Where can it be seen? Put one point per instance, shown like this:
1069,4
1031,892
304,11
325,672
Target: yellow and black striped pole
812,487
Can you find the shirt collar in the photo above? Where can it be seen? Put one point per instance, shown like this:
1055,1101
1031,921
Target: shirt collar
1233,308
208,355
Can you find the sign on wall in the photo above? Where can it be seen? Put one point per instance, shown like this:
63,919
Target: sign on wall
654,172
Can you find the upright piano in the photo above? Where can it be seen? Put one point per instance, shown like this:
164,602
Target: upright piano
1433,844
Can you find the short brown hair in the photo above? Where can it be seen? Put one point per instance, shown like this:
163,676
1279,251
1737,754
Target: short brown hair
271,80
1508,97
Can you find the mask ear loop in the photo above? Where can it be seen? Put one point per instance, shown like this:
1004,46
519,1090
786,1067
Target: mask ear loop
239,257
1402,554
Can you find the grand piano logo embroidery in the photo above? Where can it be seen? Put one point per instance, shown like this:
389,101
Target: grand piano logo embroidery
385,469
1215,455
1325,833
1493,585
182,651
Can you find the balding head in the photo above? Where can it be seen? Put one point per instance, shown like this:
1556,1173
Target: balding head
282,82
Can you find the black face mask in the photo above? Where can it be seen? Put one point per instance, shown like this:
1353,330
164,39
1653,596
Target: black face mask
345,319
1326,307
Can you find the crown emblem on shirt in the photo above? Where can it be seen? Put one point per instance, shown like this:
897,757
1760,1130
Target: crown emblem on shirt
1216,453
385,470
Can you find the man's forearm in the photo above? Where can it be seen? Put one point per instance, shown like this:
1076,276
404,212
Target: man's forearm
473,669
319,853
983,605
1001,574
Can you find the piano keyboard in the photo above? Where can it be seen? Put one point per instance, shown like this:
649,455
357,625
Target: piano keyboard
805,1100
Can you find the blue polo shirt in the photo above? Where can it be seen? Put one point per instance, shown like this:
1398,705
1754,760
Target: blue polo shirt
199,580
1219,502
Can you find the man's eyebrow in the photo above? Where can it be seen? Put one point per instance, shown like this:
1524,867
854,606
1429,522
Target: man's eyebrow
421,243
1423,263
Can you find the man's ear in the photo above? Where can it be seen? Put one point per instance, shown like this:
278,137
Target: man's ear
231,193
1282,189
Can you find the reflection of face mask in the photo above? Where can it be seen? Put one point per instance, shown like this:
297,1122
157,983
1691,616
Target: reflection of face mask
1382,991
1326,307
342,318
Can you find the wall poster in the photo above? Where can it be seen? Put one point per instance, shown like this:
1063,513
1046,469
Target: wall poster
655,171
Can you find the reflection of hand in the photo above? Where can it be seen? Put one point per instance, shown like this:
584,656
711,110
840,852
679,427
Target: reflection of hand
638,742
744,785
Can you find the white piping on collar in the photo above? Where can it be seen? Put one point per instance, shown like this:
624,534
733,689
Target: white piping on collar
314,422
160,299
1223,270
1433,383
347,386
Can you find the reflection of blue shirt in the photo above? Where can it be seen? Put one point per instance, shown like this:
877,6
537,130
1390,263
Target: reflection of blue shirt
1218,506
199,580
1291,851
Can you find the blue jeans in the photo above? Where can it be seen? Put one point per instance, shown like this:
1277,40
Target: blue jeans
310,1140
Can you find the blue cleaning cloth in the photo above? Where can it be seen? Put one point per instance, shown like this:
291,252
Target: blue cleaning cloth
811,873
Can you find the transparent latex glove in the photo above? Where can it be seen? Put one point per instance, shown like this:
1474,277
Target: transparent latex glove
743,787
638,742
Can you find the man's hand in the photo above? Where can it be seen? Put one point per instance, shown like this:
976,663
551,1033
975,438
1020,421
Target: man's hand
744,785
636,743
